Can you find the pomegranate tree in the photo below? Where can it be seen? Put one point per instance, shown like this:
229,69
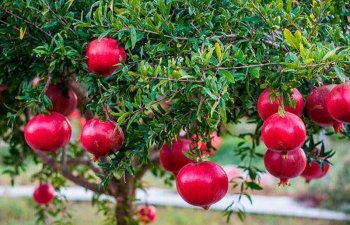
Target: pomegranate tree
202,184
156,69
103,56
268,106
285,167
283,132
44,194
101,138
47,132
172,157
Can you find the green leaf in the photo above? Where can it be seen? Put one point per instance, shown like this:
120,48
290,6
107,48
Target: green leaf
255,72
254,186
228,75
133,37
330,54
291,40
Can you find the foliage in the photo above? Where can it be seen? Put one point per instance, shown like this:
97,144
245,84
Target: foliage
210,58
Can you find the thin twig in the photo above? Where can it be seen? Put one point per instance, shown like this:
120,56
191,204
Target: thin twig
28,22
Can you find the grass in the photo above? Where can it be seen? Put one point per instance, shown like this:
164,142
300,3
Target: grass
21,212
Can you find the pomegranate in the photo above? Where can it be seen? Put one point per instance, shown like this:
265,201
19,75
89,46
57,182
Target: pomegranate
47,132
172,158
314,171
101,138
316,108
338,103
202,184
266,108
287,167
64,101
104,55
146,213
44,194
283,133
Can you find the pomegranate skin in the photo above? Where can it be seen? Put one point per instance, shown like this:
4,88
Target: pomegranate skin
267,108
44,194
47,132
202,184
147,213
285,167
314,171
338,103
316,108
63,102
172,158
101,138
104,55
283,133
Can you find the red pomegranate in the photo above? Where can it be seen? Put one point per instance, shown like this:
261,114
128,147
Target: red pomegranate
101,138
64,101
285,167
47,132
202,184
314,171
283,133
44,194
172,158
266,107
338,103
146,213
316,108
104,55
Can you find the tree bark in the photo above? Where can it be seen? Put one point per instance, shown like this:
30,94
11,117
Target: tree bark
125,209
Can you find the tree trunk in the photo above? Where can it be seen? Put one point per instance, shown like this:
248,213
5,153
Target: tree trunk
125,210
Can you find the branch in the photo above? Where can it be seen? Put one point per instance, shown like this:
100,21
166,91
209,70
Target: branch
82,161
83,99
27,21
68,174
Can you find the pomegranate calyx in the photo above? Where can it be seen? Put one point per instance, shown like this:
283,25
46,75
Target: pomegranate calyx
284,182
338,127
206,207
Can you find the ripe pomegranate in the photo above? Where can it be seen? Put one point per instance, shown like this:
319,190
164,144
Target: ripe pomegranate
202,184
283,133
104,55
172,158
338,103
47,132
44,194
101,138
316,108
64,101
314,171
287,167
266,108
146,213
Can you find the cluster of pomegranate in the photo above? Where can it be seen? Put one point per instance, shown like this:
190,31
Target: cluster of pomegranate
200,183
284,133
